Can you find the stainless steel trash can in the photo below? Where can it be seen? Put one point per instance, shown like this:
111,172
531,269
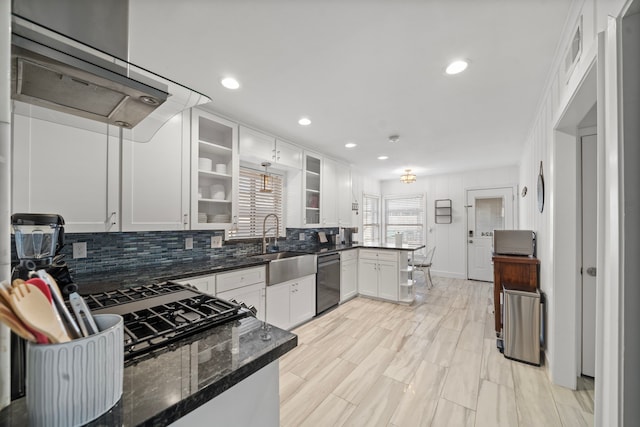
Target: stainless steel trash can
521,326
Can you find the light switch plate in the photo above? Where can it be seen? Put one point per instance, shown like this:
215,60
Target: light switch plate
301,236
79,250
216,241
188,243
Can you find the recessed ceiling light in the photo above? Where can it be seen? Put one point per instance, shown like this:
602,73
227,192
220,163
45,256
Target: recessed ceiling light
383,157
350,144
304,121
230,83
457,67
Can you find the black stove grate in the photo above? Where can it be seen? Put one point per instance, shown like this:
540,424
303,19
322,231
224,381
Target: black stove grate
157,315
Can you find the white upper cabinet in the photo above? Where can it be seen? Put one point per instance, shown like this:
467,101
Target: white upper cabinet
155,179
336,191
344,195
288,155
59,168
329,205
312,181
214,171
258,147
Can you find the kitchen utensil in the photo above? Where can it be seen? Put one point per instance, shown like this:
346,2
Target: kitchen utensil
83,314
32,307
8,317
40,284
5,296
59,305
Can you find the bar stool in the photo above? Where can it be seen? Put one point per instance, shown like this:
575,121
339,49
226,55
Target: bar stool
424,265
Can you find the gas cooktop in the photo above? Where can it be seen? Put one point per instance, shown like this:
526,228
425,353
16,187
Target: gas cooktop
157,315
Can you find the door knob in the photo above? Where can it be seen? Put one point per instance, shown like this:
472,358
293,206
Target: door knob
591,271
470,241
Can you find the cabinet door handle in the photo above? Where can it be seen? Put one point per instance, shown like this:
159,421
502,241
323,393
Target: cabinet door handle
112,217
185,219
278,155
273,155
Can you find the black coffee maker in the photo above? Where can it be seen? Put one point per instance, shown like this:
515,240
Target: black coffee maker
38,240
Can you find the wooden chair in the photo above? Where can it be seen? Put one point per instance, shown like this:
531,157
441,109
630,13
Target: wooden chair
424,265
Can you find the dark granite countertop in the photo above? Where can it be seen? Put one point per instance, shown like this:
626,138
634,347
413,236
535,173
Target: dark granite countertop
95,282
162,389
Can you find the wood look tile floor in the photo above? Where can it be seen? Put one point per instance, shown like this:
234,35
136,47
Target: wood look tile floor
434,363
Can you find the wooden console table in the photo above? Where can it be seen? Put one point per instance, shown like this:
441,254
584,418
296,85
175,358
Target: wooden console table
512,272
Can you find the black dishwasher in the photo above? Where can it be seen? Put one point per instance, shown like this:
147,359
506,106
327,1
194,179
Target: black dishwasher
327,282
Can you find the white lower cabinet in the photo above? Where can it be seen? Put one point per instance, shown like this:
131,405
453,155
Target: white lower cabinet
348,274
378,274
291,303
250,295
245,286
206,284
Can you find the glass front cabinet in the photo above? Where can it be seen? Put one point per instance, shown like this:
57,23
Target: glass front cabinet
312,189
214,171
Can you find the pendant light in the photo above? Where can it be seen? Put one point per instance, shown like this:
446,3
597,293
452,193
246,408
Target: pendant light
266,179
408,177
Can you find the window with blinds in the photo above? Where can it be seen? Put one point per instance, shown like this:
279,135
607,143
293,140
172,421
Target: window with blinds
406,215
254,204
370,219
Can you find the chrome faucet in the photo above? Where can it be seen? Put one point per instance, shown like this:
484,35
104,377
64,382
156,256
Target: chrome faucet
264,231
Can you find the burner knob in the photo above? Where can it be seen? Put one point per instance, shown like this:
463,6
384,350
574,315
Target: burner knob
253,310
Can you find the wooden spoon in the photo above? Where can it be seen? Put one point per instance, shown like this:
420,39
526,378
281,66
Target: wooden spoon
32,307
8,318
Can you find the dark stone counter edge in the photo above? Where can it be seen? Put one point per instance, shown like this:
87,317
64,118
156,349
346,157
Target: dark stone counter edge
200,398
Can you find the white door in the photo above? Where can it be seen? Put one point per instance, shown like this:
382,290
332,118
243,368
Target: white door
487,210
589,221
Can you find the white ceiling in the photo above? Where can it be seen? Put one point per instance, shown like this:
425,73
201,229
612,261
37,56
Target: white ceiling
363,70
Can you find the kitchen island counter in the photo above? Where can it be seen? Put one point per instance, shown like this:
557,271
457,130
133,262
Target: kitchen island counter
187,376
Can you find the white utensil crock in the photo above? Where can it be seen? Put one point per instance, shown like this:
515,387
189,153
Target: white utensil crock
73,383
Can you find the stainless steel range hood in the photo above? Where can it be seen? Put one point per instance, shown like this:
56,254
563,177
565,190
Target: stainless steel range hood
53,67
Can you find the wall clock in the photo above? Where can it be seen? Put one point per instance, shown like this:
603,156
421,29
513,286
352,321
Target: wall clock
540,190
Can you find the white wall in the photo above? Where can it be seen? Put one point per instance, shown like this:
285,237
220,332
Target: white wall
557,271
450,258
631,155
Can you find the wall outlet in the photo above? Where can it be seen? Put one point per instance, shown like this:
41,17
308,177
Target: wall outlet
188,243
216,241
80,250
301,236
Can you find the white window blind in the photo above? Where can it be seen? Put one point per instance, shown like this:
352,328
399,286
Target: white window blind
370,219
254,205
406,215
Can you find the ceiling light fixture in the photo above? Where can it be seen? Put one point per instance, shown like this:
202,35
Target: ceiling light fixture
394,138
230,83
383,157
408,177
350,145
266,179
304,121
456,67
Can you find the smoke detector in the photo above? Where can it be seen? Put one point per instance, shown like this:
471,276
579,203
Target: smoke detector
394,138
